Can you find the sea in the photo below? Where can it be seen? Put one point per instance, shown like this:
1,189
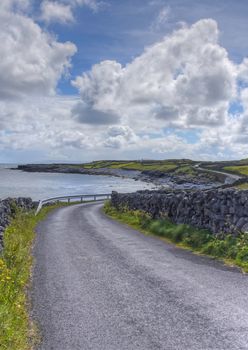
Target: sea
16,183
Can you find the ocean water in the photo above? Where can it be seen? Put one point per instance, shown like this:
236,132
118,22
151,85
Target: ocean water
16,183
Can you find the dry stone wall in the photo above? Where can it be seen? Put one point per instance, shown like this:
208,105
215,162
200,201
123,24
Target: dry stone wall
221,211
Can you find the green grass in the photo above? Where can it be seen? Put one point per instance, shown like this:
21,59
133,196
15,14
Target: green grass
239,169
132,165
17,332
142,166
183,166
186,169
243,186
175,166
233,250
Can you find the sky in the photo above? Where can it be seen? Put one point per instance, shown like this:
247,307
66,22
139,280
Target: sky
84,80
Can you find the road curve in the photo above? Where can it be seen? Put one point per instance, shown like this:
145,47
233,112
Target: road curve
230,178
100,285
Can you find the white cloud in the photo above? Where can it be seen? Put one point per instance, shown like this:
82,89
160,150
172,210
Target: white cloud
32,61
161,18
14,5
98,90
186,80
90,115
120,136
243,70
92,4
53,11
62,11
43,123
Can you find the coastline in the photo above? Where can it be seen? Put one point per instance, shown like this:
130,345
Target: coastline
157,178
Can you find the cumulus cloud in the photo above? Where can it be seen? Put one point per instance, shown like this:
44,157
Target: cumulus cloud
61,11
32,61
53,11
89,115
243,70
185,80
43,123
98,90
120,136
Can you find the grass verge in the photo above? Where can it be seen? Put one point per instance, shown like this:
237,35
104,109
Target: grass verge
17,332
232,250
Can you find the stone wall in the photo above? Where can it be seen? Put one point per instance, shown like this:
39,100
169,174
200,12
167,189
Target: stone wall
221,211
7,211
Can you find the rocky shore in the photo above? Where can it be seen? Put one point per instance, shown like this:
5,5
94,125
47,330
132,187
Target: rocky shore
183,181
76,169
7,210
222,211
200,180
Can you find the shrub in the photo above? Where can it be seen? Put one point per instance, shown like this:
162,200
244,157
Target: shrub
242,258
215,248
144,219
197,238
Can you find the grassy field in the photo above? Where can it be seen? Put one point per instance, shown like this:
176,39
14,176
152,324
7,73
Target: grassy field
159,165
172,166
17,332
233,250
243,186
186,169
238,169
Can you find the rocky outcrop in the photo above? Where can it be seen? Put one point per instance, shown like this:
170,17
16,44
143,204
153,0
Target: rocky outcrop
76,169
221,211
197,180
7,210
182,181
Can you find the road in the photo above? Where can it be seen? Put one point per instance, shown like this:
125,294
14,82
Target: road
230,178
100,285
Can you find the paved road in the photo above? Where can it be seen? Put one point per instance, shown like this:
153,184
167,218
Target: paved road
102,286
230,178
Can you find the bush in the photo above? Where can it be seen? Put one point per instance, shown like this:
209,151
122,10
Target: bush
215,248
144,220
197,238
242,258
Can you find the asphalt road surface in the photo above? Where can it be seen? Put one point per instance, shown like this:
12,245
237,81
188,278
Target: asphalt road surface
100,285
230,178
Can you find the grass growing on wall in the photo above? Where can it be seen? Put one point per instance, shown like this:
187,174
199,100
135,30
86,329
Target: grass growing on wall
16,329
232,249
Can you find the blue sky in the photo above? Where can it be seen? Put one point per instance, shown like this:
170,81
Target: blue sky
121,29
123,79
